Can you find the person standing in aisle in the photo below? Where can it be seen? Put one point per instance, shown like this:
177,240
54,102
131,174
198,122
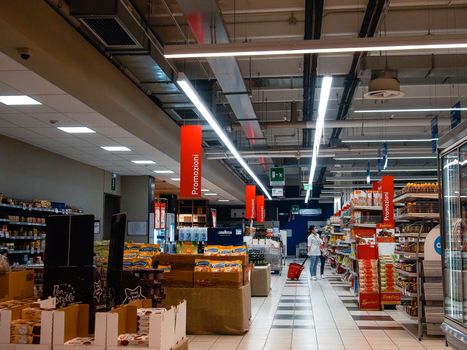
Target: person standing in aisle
324,253
314,251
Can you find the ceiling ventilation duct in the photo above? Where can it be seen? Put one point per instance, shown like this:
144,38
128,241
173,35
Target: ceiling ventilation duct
384,86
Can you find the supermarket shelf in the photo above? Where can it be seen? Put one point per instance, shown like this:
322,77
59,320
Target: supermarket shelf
414,196
338,234
417,216
365,225
21,252
413,235
367,207
23,238
409,254
45,210
25,223
406,273
336,225
404,292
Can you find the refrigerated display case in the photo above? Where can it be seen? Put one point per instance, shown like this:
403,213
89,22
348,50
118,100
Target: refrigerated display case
453,175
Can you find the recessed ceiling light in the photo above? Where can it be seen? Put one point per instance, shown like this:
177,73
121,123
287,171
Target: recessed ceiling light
143,161
116,148
223,200
163,171
76,129
204,190
175,178
19,100
210,194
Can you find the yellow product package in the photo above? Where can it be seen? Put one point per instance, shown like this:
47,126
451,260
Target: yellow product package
130,254
211,250
233,266
132,246
225,250
142,263
165,268
202,265
149,247
239,250
217,266
31,314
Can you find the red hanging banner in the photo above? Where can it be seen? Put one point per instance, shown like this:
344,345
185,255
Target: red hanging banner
191,154
157,215
250,199
163,210
260,208
387,192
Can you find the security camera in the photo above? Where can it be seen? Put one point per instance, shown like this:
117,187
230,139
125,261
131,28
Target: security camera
24,52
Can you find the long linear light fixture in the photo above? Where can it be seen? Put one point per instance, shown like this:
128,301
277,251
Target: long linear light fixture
392,170
323,105
299,47
191,93
355,179
409,110
374,158
389,141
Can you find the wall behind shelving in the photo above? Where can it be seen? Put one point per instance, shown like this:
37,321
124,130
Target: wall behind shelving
28,172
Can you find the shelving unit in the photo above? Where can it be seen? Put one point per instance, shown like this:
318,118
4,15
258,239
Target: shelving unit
192,213
425,309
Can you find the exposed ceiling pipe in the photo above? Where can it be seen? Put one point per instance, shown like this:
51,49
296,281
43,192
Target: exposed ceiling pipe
313,12
354,123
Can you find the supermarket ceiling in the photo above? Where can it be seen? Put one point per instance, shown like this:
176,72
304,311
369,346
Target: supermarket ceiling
272,99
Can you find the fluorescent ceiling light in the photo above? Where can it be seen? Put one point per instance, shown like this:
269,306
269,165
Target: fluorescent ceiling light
143,161
116,148
408,110
353,179
18,100
76,129
204,190
323,105
392,170
356,186
175,178
191,93
210,194
300,47
163,171
374,158
223,200
392,141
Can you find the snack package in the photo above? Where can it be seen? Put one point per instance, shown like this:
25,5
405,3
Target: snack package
217,266
164,268
142,263
239,250
130,254
233,266
31,314
202,265
21,327
127,264
226,250
133,340
24,339
149,248
132,246
211,250
80,341
187,248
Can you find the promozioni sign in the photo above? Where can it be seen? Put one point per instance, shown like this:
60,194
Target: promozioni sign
191,155
250,201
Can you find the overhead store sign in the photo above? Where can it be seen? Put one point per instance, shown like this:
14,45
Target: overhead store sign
310,212
387,191
260,212
191,154
307,187
250,199
455,115
277,192
295,209
277,176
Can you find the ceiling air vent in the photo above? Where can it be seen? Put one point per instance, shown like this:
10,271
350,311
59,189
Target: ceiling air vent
111,32
186,113
384,86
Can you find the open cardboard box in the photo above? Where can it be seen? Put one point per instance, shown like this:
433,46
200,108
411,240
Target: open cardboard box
187,261
8,315
72,322
167,327
218,279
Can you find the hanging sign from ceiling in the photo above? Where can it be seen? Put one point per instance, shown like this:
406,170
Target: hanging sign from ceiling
260,208
277,192
277,176
455,115
191,154
250,199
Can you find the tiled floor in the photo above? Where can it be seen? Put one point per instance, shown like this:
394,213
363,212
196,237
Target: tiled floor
320,315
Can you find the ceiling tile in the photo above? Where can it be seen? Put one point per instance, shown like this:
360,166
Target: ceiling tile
18,133
91,119
23,120
7,90
113,132
63,103
6,64
72,141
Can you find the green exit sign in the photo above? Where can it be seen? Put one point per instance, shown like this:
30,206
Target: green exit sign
277,176
307,187
295,209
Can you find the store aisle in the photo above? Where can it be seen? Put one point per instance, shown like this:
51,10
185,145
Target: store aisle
320,315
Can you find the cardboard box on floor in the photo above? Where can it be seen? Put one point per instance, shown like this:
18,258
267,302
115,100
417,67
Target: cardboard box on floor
17,284
261,281
8,315
179,278
218,279
167,328
214,310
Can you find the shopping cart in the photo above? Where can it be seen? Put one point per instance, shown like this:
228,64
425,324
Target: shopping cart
295,270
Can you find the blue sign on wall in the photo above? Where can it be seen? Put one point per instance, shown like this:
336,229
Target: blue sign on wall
225,236
437,245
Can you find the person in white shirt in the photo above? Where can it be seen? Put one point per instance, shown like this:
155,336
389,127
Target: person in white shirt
314,250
